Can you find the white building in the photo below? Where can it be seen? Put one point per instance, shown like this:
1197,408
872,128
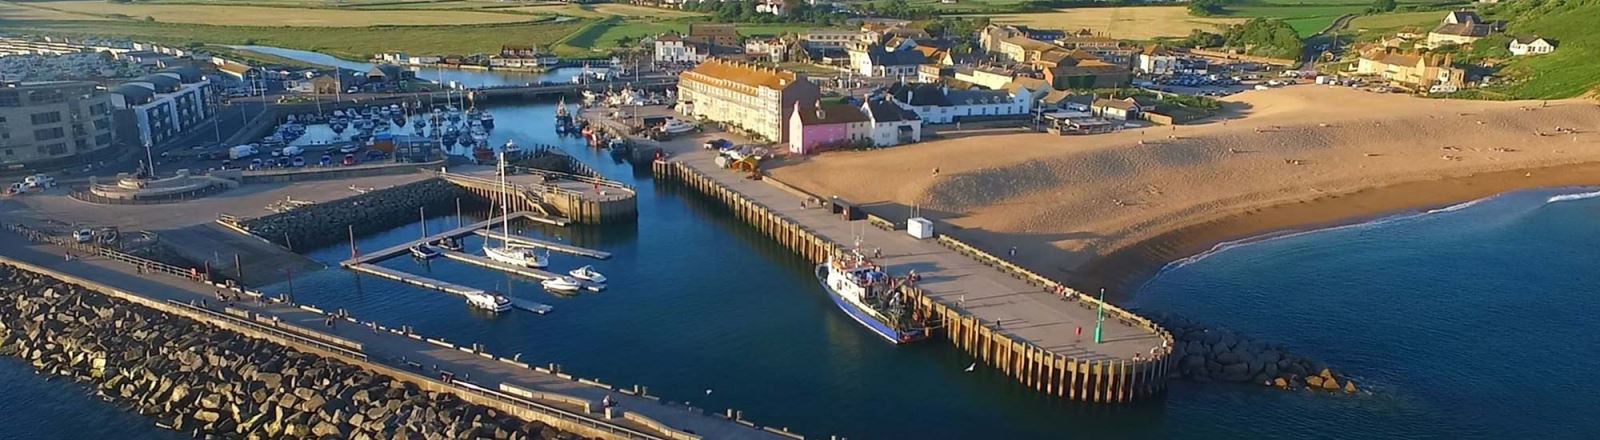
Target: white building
1155,60
671,48
1531,46
875,61
992,78
774,7
892,125
163,105
940,105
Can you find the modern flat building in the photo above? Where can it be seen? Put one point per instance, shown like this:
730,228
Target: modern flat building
52,122
754,98
159,106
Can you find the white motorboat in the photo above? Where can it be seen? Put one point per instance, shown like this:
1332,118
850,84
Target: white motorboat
424,251
506,252
562,284
488,301
587,273
450,244
678,127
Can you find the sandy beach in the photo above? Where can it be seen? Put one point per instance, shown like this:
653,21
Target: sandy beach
1109,210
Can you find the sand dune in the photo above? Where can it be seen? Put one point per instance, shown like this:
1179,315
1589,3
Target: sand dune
1092,195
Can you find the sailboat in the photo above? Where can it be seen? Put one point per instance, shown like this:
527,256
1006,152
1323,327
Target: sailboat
506,252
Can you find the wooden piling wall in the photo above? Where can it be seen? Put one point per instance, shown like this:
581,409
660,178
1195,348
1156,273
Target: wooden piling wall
1097,380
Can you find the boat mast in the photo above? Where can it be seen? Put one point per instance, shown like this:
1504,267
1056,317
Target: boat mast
505,199
424,215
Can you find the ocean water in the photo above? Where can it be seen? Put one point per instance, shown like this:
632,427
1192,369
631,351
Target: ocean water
32,407
1474,321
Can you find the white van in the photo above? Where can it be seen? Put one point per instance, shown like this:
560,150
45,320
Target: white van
292,151
39,181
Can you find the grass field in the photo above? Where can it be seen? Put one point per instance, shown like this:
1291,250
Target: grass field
344,42
1310,17
11,12
1137,23
1568,72
603,10
256,15
1385,23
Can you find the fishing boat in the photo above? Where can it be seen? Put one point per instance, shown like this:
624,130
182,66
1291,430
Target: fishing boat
872,297
424,251
488,301
587,273
562,284
506,252
487,120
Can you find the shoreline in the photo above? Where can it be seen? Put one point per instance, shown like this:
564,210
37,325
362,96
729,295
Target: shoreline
1125,269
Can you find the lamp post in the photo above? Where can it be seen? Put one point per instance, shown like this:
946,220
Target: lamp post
1100,316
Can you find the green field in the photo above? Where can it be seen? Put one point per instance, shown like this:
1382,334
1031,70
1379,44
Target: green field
1385,23
1310,17
1573,69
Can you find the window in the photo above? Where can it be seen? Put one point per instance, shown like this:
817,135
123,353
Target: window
45,134
103,139
46,118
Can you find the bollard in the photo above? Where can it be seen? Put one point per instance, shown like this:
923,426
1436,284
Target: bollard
610,413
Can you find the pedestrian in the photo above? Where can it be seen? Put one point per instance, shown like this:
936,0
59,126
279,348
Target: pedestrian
877,252
1080,333
1013,251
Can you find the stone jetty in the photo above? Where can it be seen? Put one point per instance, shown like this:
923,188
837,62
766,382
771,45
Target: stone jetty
213,383
1207,354
323,224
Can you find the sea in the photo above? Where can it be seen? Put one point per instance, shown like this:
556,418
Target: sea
1465,322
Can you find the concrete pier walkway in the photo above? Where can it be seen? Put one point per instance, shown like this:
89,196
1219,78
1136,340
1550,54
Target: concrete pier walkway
1003,303
406,353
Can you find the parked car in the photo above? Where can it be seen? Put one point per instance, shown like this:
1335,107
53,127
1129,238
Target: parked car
82,235
326,160
349,159
375,154
255,164
298,162
351,148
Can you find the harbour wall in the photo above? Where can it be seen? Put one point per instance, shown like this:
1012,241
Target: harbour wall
331,222
1056,374
207,373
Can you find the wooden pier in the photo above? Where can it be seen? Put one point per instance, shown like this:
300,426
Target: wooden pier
553,246
1003,315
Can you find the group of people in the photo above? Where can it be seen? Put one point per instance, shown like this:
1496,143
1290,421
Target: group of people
1065,293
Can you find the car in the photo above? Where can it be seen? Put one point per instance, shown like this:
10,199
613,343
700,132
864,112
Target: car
717,144
283,162
226,163
298,162
108,235
374,154
350,148
326,160
255,164
82,235
349,159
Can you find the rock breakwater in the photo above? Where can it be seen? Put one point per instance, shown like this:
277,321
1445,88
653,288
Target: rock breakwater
213,383
1206,354
323,224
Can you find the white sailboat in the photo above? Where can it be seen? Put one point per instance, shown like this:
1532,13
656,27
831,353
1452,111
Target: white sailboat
506,252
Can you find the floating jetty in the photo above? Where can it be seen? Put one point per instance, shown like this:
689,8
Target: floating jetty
553,246
524,271
456,289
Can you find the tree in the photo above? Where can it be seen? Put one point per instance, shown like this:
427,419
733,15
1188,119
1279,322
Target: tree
1207,8
1383,6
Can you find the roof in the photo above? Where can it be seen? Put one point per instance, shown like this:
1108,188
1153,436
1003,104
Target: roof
960,97
919,94
133,94
885,111
746,74
1156,50
1030,44
830,114
187,74
1407,59
881,57
1462,17
1035,85
1531,39
1114,103
387,70
1463,29
712,29
670,37
163,83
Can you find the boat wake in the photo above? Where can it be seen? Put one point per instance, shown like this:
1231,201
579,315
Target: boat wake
1571,197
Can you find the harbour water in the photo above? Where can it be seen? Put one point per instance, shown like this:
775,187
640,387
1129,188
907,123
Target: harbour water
1467,323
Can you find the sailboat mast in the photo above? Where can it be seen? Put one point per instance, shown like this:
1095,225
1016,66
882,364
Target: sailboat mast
505,199
424,215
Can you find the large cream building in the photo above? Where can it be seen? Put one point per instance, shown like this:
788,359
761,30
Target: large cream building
755,98
51,122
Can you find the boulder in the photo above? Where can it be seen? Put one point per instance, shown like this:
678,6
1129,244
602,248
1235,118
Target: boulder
1349,387
1314,382
1330,384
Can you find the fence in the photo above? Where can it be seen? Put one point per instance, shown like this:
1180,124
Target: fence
85,195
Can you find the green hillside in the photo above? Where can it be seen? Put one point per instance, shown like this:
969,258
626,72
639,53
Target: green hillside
1574,68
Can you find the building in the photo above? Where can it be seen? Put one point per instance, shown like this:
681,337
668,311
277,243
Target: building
829,38
1458,28
774,7
988,77
814,127
671,48
725,35
875,61
1533,45
1079,69
1419,71
892,125
1121,109
44,123
754,98
521,56
772,49
932,73
157,107
1155,60
389,73
941,105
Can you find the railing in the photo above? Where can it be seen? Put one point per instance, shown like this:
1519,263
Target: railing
562,414
91,197
297,338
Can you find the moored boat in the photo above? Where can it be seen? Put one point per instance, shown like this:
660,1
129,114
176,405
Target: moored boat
562,284
488,301
587,273
870,296
424,251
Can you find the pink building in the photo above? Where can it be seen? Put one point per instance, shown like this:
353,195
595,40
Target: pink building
814,128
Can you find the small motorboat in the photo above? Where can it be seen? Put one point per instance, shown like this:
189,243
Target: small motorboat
562,284
488,301
424,251
587,273
449,244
